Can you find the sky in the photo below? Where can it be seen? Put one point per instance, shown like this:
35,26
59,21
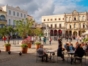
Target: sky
39,8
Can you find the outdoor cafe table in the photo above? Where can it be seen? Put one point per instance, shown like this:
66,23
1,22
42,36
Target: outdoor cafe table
71,53
51,52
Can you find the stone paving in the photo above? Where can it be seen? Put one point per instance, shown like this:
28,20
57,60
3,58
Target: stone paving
28,59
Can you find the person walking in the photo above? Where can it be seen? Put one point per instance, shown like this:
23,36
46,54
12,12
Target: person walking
44,40
4,39
50,40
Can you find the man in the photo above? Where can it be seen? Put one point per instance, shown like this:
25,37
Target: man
42,53
79,52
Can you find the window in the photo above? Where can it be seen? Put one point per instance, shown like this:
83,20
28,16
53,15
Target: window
70,26
21,15
24,16
63,18
60,26
2,17
55,25
74,25
59,18
17,14
83,18
14,13
55,19
9,22
51,19
14,23
44,19
47,19
83,25
51,26
74,19
9,12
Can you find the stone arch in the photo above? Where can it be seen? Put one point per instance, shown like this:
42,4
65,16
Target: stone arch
66,33
51,32
70,33
55,32
2,17
79,33
59,32
74,33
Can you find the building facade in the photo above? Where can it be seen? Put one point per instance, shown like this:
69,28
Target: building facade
14,13
72,24
3,20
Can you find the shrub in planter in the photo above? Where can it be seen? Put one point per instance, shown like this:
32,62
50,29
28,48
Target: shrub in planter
7,47
37,45
24,48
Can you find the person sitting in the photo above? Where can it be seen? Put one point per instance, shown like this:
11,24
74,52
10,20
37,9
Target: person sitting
79,52
42,53
60,52
67,47
71,48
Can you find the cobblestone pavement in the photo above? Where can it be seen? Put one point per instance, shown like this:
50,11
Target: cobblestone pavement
28,59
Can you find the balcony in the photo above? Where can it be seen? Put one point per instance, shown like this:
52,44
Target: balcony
3,21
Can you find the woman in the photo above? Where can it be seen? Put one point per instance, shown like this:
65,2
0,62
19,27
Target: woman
60,52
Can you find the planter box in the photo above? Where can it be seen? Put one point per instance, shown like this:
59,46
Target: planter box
37,46
29,45
7,48
24,50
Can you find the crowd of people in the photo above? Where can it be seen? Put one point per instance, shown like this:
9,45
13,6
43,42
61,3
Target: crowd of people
80,48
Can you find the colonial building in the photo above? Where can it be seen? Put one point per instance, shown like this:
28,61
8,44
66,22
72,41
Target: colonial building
3,20
14,13
72,24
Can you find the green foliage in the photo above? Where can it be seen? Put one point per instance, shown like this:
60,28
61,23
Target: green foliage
7,44
24,27
85,39
24,45
37,43
6,30
38,31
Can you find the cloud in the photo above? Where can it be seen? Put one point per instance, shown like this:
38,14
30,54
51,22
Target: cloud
38,8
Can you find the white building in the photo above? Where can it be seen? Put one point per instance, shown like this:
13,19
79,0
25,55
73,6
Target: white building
53,22
14,13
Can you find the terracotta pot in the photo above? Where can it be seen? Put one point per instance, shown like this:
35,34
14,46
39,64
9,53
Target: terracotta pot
7,48
29,45
24,50
37,46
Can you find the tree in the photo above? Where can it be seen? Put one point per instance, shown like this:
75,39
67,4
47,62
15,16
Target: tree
38,31
24,27
6,31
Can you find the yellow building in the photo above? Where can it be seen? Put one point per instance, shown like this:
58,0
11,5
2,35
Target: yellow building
3,20
76,23
71,24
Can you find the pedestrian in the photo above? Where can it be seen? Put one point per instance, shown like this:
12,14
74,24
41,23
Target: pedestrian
50,40
59,42
44,40
4,39
60,52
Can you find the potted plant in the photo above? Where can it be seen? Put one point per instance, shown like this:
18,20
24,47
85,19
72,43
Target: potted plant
7,47
24,48
37,45
6,32
29,45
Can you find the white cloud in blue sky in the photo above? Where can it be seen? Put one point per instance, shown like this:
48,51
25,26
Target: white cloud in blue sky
38,8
